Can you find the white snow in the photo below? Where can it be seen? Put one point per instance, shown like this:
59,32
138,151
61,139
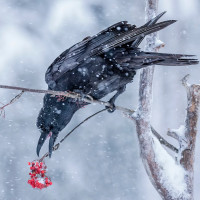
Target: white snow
126,73
57,111
118,28
83,71
159,43
172,175
180,131
41,180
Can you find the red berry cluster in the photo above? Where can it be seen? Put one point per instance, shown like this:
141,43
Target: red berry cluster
38,175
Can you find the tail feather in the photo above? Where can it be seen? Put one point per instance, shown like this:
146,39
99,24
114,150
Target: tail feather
170,59
178,62
138,60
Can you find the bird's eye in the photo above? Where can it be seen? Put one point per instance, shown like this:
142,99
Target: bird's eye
50,127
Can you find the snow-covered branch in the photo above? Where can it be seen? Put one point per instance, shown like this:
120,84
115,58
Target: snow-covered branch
143,126
172,178
188,136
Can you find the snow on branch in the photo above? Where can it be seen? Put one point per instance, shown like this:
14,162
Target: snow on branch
190,132
172,178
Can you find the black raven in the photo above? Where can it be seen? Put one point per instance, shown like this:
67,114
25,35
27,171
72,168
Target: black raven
97,66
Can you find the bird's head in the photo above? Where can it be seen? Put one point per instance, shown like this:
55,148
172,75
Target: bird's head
53,117
49,128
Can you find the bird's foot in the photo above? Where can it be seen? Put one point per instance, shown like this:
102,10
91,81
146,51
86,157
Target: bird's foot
111,108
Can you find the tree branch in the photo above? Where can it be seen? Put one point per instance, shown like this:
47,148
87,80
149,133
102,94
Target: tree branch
89,99
86,98
143,126
172,180
2,111
188,136
68,134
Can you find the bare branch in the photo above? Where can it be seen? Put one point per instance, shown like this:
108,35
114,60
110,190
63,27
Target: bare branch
2,111
143,126
172,134
177,134
160,166
58,144
89,99
184,81
163,141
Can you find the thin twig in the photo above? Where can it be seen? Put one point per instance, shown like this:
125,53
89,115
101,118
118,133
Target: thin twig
87,99
11,102
58,144
163,141
184,82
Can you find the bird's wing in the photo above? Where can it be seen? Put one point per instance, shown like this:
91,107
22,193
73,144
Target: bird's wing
115,35
73,56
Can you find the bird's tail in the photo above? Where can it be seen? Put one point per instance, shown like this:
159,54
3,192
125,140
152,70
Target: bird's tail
174,59
137,60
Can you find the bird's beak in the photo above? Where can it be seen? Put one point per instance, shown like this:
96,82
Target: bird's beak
41,141
51,143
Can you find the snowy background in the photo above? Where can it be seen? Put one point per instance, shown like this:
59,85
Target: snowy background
100,160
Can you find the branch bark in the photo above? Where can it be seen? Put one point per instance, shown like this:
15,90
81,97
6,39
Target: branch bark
87,99
173,179
143,127
188,138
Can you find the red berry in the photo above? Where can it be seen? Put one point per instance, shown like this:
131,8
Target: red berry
38,175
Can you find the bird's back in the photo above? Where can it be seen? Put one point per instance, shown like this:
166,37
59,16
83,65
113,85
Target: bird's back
97,66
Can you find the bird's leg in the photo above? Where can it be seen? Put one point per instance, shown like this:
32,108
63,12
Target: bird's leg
113,99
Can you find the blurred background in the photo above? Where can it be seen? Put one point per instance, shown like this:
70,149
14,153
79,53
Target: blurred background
100,160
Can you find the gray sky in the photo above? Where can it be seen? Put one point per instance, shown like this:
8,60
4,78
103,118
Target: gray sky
100,160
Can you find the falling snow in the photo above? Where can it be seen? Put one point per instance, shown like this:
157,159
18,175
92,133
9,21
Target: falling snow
101,160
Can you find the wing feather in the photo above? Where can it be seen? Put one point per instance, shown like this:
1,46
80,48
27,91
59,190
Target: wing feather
113,36
70,58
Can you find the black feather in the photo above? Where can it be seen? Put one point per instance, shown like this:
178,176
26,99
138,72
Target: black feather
97,66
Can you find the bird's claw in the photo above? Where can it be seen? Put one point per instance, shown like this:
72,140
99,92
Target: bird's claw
111,108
